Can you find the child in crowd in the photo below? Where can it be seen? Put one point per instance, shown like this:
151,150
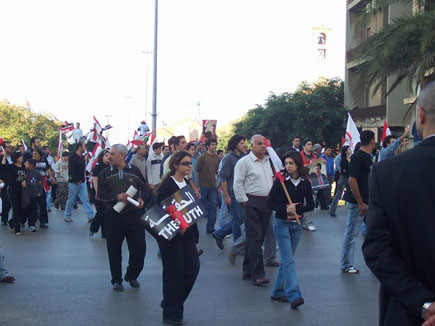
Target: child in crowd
34,188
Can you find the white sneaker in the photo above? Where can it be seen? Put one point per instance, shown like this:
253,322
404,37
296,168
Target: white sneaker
32,229
68,219
311,228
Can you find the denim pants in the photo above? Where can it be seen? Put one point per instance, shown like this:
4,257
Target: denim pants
286,283
48,200
3,269
233,226
81,191
351,231
209,199
223,212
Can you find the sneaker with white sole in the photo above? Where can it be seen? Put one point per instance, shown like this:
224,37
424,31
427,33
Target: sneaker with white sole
68,219
311,228
351,270
32,229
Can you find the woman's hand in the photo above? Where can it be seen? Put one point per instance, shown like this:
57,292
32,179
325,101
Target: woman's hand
291,209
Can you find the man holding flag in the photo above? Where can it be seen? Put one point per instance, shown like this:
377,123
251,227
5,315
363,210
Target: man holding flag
390,144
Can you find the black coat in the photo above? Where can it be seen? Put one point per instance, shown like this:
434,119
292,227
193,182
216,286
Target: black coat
400,244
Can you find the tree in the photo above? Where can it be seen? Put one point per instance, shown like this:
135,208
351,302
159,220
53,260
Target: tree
314,112
17,123
404,49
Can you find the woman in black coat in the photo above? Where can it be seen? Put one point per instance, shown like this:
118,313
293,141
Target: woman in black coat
179,255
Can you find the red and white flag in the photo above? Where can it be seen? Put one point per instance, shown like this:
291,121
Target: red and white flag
24,144
94,156
385,132
352,133
276,161
97,131
67,127
59,146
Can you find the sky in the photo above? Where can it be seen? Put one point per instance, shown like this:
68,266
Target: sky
76,59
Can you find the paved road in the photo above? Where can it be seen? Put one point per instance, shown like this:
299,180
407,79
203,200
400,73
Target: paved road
63,278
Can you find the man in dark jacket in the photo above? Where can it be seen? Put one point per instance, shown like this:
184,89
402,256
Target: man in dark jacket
77,183
113,183
400,243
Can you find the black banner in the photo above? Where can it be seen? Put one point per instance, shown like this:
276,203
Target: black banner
159,222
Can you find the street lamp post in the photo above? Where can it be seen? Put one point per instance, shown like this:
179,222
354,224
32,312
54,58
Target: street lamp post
154,114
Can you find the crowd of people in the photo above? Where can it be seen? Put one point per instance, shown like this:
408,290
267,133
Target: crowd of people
389,197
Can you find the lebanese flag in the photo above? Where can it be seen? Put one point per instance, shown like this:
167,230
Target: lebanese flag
59,146
97,130
93,160
24,144
276,162
385,132
352,134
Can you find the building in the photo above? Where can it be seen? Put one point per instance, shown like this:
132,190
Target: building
369,110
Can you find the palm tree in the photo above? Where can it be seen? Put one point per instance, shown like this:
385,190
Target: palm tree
404,49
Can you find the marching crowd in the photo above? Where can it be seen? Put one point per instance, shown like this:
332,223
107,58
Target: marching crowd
242,198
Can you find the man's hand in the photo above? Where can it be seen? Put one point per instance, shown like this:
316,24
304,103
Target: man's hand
122,197
141,203
362,209
430,315
152,187
228,200
406,132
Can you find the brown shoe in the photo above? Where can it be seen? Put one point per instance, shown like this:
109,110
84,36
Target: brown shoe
261,281
8,279
273,264
232,258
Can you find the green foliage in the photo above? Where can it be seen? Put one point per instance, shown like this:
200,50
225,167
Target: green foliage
17,123
404,49
223,139
313,112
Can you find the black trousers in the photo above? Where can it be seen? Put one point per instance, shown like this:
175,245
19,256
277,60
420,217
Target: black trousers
42,204
180,268
6,204
99,219
256,218
119,227
17,212
30,213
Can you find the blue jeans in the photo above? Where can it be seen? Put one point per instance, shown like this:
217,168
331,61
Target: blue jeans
3,269
233,226
287,235
209,199
80,190
353,225
223,212
49,198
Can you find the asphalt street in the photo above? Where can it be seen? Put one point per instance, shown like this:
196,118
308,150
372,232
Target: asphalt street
63,278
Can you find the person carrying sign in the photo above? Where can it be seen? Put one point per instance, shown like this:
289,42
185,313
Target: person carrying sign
179,256
113,183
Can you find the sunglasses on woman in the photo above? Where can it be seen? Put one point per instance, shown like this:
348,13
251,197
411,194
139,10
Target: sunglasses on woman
186,163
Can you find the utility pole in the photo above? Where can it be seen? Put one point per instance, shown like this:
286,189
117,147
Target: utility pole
154,114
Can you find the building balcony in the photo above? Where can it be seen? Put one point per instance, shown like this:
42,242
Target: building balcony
353,4
371,112
351,61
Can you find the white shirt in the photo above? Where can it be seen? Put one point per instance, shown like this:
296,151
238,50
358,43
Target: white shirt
181,184
153,168
252,176
77,135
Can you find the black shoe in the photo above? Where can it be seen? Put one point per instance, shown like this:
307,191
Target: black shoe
332,215
168,321
219,241
117,286
200,252
247,277
280,299
297,303
43,226
4,223
49,210
261,281
133,282
75,206
210,232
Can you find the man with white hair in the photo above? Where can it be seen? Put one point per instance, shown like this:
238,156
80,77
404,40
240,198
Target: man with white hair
113,183
253,179
400,244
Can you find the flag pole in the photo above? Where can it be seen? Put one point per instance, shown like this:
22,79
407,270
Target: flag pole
289,199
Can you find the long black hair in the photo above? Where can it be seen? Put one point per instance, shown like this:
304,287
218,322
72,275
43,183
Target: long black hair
343,151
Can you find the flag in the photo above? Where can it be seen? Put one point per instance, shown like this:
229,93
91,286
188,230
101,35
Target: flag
59,146
67,127
385,132
94,156
352,133
276,161
97,131
24,144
